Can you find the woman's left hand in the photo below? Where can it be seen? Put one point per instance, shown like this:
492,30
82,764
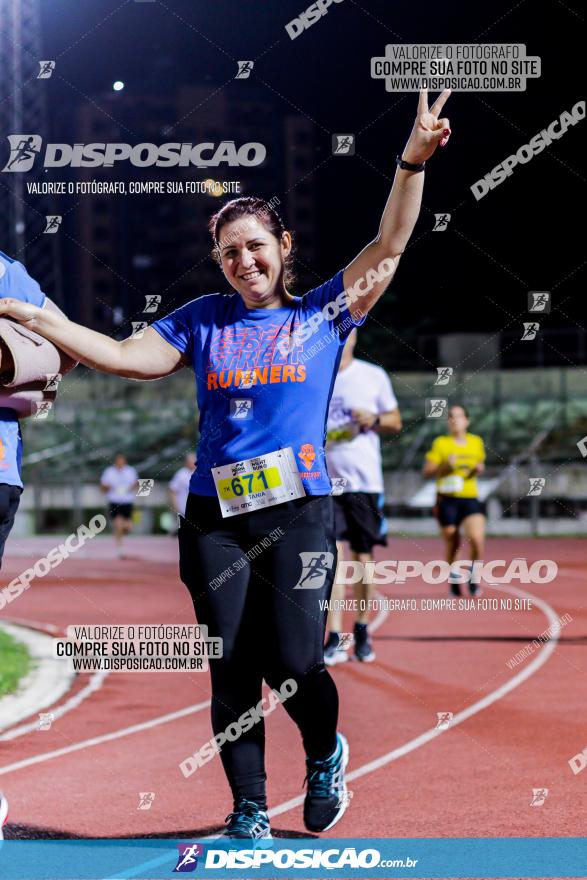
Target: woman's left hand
430,129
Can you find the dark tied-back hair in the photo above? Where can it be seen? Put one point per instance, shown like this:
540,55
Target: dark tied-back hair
250,206
460,406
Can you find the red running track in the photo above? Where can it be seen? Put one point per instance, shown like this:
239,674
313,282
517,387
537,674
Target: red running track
473,780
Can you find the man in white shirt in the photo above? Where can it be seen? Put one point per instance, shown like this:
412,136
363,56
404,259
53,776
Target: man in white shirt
119,482
179,486
363,406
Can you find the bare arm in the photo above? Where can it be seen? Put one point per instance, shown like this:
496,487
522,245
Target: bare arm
400,213
390,422
432,469
477,469
386,422
147,356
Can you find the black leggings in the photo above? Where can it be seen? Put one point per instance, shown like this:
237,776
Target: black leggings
9,501
242,574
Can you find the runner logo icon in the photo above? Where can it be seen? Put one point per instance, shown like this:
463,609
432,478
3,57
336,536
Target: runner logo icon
539,301
436,408
315,567
46,719
441,222
244,69
531,328
188,857
444,374
241,408
46,69
152,302
23,150
444,719
146,799
539,795
53,223
537,484
343,145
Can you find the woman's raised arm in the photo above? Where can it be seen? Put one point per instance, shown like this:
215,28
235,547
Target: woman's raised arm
400,213
144,356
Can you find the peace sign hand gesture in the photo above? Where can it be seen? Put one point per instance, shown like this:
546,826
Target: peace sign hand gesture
429,131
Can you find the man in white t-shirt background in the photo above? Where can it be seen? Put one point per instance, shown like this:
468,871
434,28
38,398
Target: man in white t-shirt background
362,407
179,486
119,482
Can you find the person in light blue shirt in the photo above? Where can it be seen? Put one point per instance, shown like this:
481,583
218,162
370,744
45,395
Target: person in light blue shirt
16,283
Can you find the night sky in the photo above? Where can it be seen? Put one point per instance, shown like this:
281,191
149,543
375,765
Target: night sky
475,276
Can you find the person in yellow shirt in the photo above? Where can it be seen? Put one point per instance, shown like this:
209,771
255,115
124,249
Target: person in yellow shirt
455,460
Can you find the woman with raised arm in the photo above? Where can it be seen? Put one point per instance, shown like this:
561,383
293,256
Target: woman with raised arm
257,548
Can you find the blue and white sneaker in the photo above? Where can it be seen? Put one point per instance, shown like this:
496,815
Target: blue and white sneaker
247,822
327,797
3,813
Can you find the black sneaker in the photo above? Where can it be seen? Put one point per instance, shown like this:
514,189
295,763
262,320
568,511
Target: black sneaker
3,813
363,647
455,586
247,822
475,588
333,653
327,796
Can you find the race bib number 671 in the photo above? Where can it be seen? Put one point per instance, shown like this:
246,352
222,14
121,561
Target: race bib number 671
258,482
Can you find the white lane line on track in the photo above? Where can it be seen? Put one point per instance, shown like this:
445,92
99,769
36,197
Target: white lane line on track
425,737
45,683
94,684
98,679
381,615
35,624
481,704
106,737
418,741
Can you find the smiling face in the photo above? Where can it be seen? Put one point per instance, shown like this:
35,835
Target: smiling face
252,260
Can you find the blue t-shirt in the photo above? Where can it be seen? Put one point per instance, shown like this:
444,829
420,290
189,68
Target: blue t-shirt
255,392
10,448
18,284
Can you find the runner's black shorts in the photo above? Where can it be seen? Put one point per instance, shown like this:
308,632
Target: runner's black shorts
451,511
9,501
123,510
358,519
